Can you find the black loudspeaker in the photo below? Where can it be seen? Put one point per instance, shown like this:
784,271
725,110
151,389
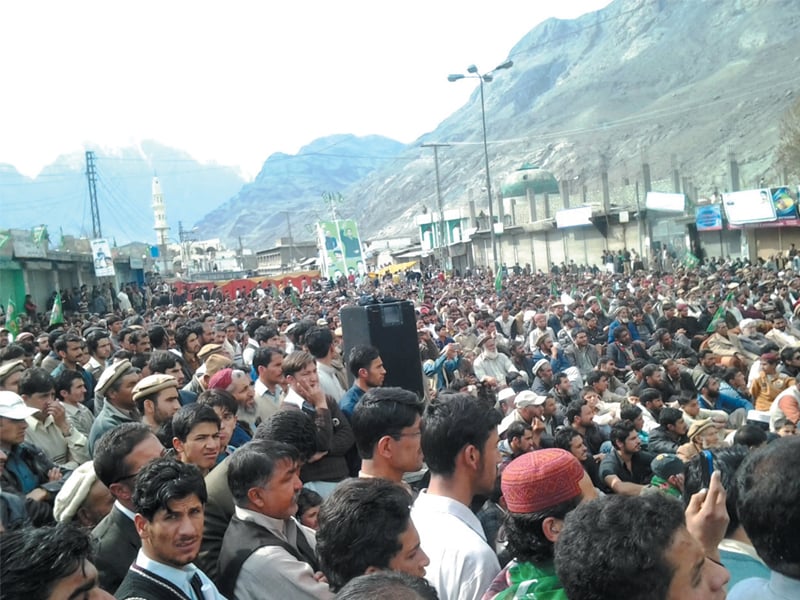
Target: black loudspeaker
392,329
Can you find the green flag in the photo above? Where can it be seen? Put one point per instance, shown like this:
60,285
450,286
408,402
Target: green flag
275,293
498,280
40,234
553,289
57,314
720,313
690,261
11,318
295,299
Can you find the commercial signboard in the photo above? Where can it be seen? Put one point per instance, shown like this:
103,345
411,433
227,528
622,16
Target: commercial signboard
708,217
665,202
574,217
749,206
785,202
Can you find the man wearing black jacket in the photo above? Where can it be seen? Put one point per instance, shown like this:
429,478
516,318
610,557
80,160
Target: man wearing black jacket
670,434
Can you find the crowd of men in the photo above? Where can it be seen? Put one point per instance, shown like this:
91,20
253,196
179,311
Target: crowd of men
582,434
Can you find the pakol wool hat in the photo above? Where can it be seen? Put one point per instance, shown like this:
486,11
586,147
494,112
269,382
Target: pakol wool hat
152,384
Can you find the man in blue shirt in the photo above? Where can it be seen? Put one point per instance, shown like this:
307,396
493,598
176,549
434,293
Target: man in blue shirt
367,368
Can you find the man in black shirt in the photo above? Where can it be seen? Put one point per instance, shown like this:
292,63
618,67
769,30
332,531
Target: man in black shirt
626,470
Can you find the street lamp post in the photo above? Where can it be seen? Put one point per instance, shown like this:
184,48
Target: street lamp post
486,77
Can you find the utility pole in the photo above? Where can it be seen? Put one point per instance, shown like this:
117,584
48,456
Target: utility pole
442,239
291,239
186,237
91,177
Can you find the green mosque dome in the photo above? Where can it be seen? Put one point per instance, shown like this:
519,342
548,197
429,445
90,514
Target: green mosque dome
529,177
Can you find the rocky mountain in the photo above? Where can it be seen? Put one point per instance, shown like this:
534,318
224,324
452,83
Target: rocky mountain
288,190
58,197
679,84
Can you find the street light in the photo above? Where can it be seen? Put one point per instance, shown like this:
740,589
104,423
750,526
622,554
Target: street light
486,77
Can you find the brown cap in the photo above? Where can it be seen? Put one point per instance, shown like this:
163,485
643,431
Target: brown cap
699,427
215,363
111,374
11,367
153,384
208,350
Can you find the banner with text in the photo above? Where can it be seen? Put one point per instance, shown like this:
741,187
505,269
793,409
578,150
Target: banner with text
708,217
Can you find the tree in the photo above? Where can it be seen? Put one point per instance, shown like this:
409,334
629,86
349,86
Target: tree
789,143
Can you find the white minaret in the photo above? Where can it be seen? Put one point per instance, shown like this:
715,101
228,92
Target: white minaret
160,213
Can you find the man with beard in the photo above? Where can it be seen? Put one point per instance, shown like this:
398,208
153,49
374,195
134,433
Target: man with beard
665,347
492,365
580,416
465,335
626,470
790,362
581,354
521,361
676,380
751,338
540,328
539,490
622,320
169,500
653,378
624,350
709,398
546,348
707,365
543,377
156,398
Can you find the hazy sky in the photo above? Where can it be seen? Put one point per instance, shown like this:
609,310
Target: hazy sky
234,81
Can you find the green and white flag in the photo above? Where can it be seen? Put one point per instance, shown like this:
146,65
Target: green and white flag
690,261
720,313
57,314
11,318
498,281
40,234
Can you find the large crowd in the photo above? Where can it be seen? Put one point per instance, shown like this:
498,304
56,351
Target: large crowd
582,434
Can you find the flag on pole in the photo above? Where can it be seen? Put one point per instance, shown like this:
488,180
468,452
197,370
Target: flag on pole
690,261
498,281
11,318
57,314
720,313
553,289
275,293
295,299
